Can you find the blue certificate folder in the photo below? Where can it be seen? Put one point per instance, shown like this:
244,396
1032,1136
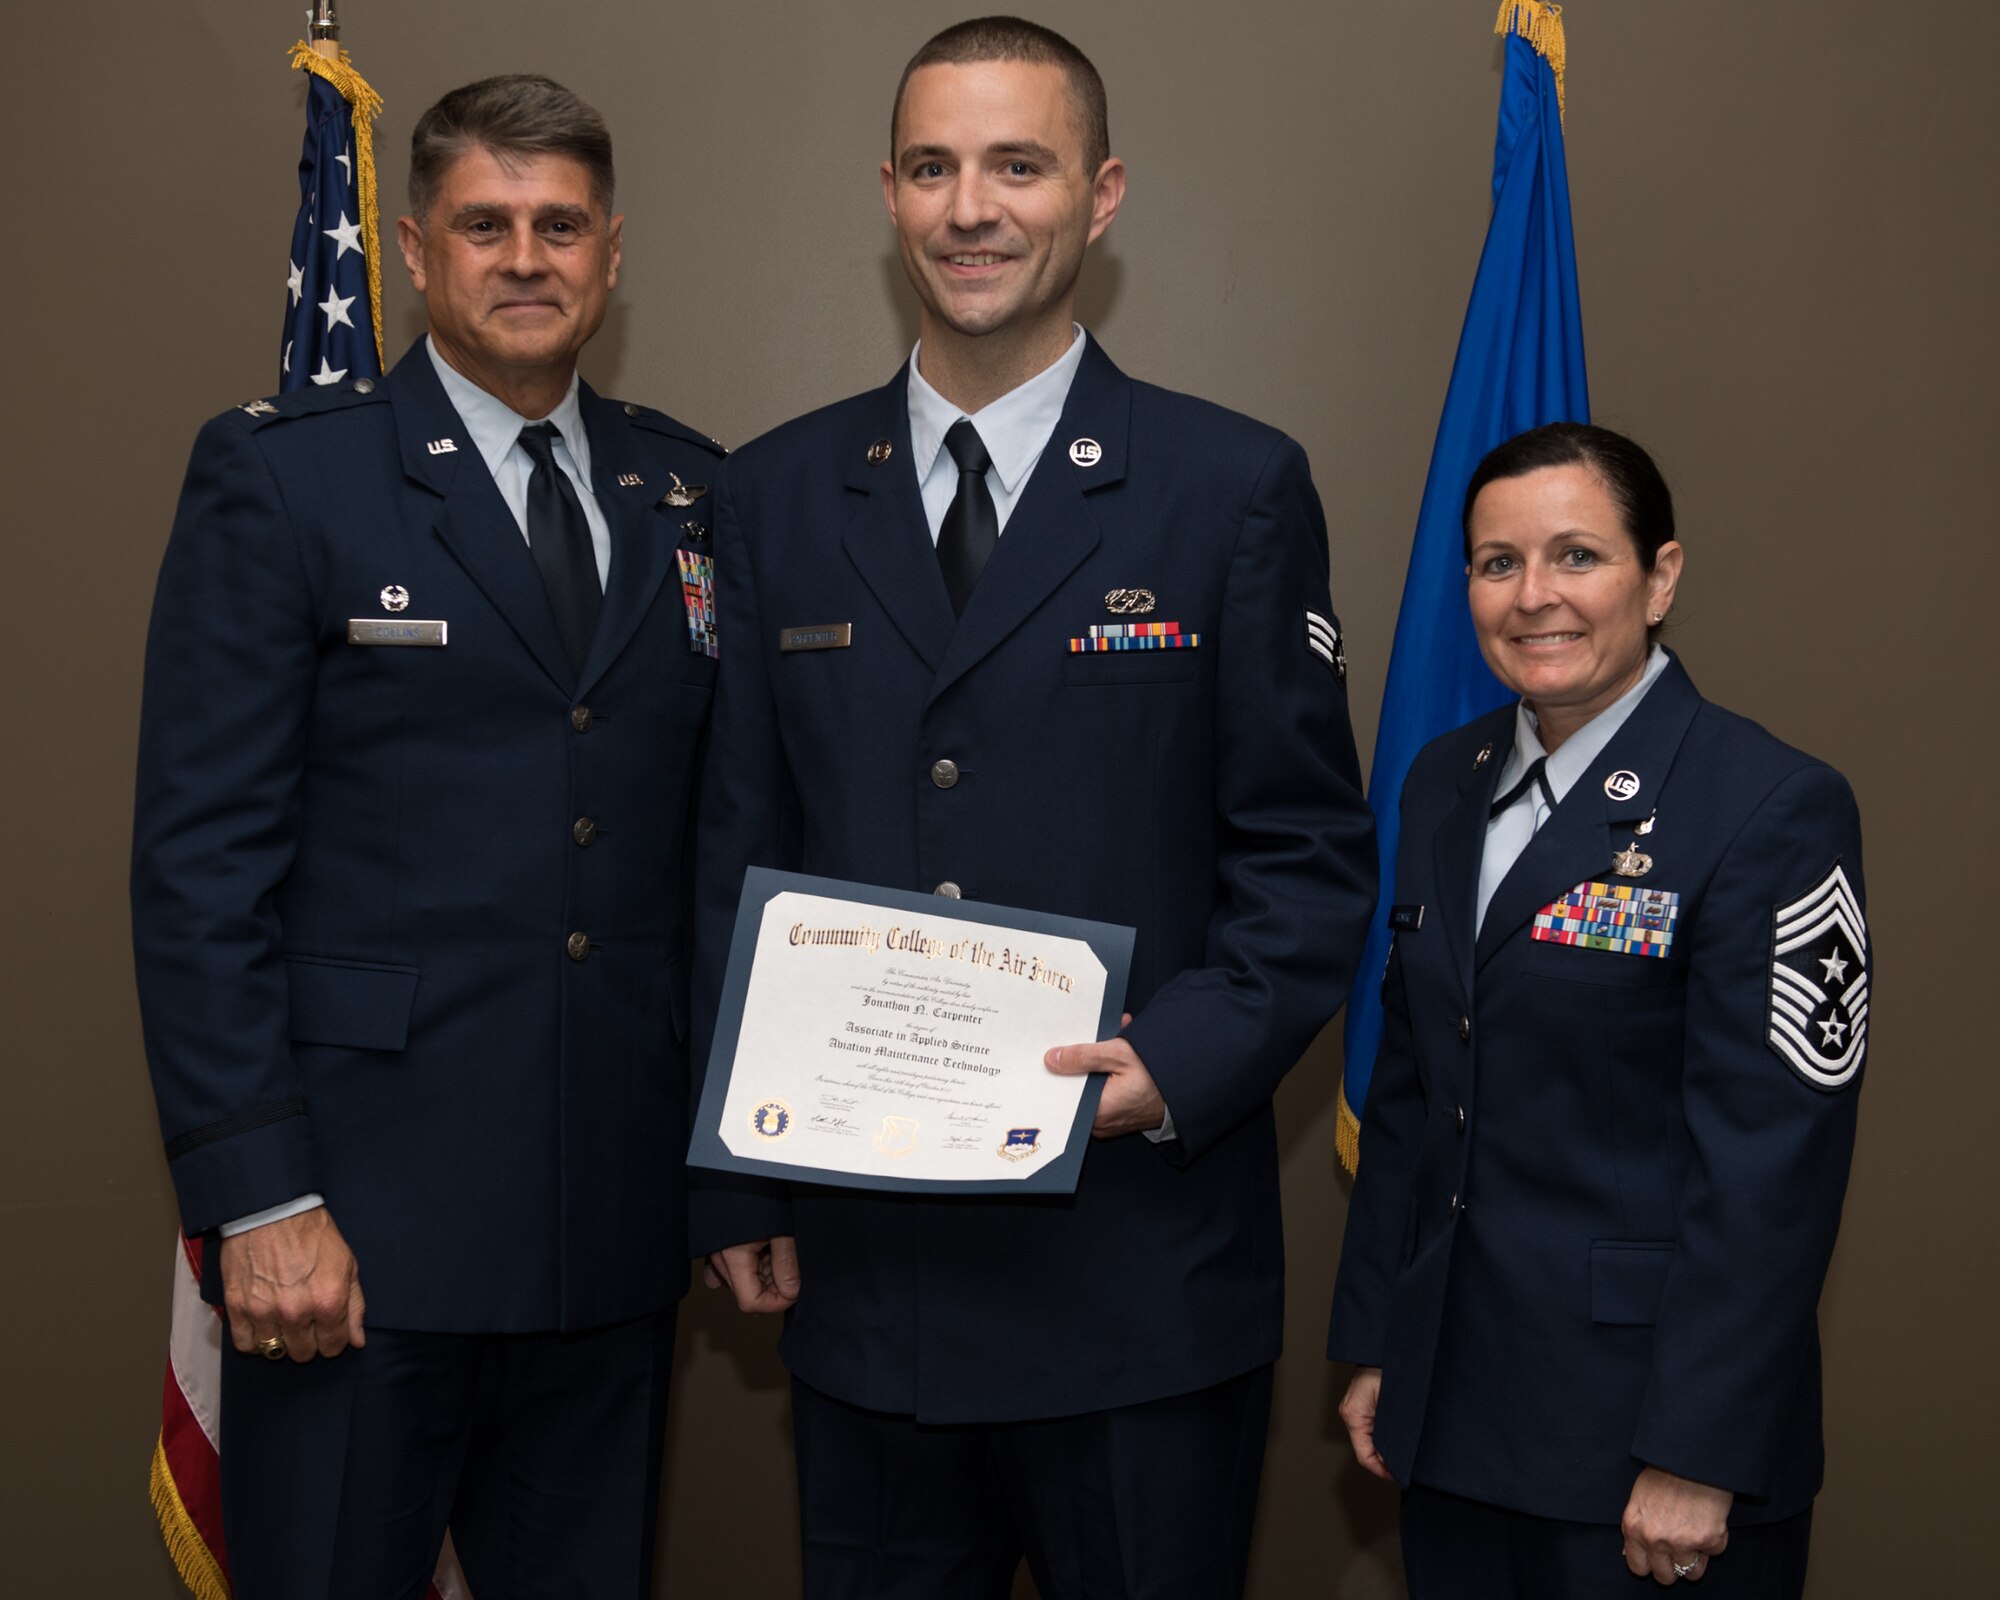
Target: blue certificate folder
1112,945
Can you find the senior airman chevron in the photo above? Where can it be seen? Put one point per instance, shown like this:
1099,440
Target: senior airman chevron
1134,636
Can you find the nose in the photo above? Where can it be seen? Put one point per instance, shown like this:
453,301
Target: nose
524,254
1538,589
971,201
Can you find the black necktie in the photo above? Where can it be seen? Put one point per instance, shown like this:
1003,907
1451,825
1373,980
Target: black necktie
1533,777
971,526
560,540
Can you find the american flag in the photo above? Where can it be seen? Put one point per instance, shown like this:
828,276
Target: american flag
334,278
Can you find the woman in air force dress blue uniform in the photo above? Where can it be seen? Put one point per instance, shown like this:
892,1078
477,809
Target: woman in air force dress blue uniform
1604,1150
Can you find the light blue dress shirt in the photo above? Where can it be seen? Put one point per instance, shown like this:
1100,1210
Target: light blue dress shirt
1507,835
1015,430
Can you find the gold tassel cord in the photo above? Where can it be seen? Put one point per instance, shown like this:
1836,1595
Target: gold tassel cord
189,1551
1347,1135
1541,23
364,103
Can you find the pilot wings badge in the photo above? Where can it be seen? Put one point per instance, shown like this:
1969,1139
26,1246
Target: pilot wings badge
1818,1021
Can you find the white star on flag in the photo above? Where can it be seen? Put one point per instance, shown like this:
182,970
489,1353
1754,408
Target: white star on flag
325,376
296,282
347,236
346,165
336,309
1835,964
286,364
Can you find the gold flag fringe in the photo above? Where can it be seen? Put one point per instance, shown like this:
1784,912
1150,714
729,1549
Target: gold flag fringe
1541,23
1347,1135
189,1551
365,103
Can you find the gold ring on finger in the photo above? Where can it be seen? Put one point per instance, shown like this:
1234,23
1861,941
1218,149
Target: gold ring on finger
271,1349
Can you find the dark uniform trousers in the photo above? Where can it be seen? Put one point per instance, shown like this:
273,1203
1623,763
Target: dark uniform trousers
1083,1379
1154,1501
1459,1549
408,893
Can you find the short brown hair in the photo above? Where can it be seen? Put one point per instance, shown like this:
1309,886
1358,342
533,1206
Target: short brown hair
1012,39
517,114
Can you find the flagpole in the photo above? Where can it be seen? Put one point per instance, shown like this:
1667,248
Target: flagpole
325,30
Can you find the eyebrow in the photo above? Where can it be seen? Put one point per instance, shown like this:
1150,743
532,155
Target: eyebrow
1010,147
480,208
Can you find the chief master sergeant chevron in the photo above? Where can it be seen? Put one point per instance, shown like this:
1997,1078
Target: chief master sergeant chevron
429,662
1086,665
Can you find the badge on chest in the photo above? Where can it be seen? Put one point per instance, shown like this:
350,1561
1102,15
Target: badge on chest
1619,917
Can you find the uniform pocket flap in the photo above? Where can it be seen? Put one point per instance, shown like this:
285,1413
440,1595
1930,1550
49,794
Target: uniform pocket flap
1627,1281
361,1004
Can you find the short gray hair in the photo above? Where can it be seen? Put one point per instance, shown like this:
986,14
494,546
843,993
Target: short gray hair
518,114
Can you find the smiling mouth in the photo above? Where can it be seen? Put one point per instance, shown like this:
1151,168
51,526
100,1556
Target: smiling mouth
975,258
1546,638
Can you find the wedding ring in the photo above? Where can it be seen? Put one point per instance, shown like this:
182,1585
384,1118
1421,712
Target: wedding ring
1685,1569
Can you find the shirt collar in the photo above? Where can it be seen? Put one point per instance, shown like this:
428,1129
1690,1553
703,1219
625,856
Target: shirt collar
496,427
1015,428
1579,752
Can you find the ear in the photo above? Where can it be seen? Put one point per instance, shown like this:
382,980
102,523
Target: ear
1664,579
889,190
410,237
614,235
1107,191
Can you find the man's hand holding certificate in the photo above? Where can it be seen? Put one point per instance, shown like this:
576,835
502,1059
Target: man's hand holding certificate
886,1040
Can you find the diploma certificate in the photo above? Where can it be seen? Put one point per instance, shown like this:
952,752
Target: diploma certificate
886,1040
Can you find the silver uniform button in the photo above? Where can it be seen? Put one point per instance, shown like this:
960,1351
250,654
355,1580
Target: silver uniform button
944,773
364,385
949,890
578,946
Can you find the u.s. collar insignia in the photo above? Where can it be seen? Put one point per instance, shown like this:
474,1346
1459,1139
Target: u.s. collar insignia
1480,760
259,408
442,447
1086,452
630,480
682,495
879,452
1818,1017
1622,784
395,598
1129,602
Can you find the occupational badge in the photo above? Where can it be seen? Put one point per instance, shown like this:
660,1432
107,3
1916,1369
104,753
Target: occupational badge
682,495
1129,602
395,597
1631,862
1818,1021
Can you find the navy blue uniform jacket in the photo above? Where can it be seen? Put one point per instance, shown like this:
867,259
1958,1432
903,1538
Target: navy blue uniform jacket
1595,1202
357,868
1208,797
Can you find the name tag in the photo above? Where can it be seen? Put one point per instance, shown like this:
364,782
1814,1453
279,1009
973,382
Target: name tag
1406,919
394,630
823,636
1619,917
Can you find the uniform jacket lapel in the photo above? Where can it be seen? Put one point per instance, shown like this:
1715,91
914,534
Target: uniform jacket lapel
1576,845
1461,839
1052,529
469,514
642,541
886,536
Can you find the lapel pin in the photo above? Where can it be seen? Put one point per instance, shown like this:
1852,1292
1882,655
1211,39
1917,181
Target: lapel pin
442,447
1478,761
1086,452
1632,862
395,598
682,494
695,530
1646,827
1622,784
878,452
1129,602
630,480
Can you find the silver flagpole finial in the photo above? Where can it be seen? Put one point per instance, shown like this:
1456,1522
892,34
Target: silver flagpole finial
324,24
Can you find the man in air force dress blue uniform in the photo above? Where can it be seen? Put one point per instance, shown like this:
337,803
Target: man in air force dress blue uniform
428,669
1007,540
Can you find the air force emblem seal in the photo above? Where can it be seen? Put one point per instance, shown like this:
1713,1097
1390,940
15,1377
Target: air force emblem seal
898,1136
1818,1020
1021,1143
772,1120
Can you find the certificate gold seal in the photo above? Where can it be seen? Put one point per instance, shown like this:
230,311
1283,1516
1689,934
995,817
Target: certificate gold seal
772,1120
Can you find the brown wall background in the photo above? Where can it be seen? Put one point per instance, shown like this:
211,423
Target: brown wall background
1786,231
